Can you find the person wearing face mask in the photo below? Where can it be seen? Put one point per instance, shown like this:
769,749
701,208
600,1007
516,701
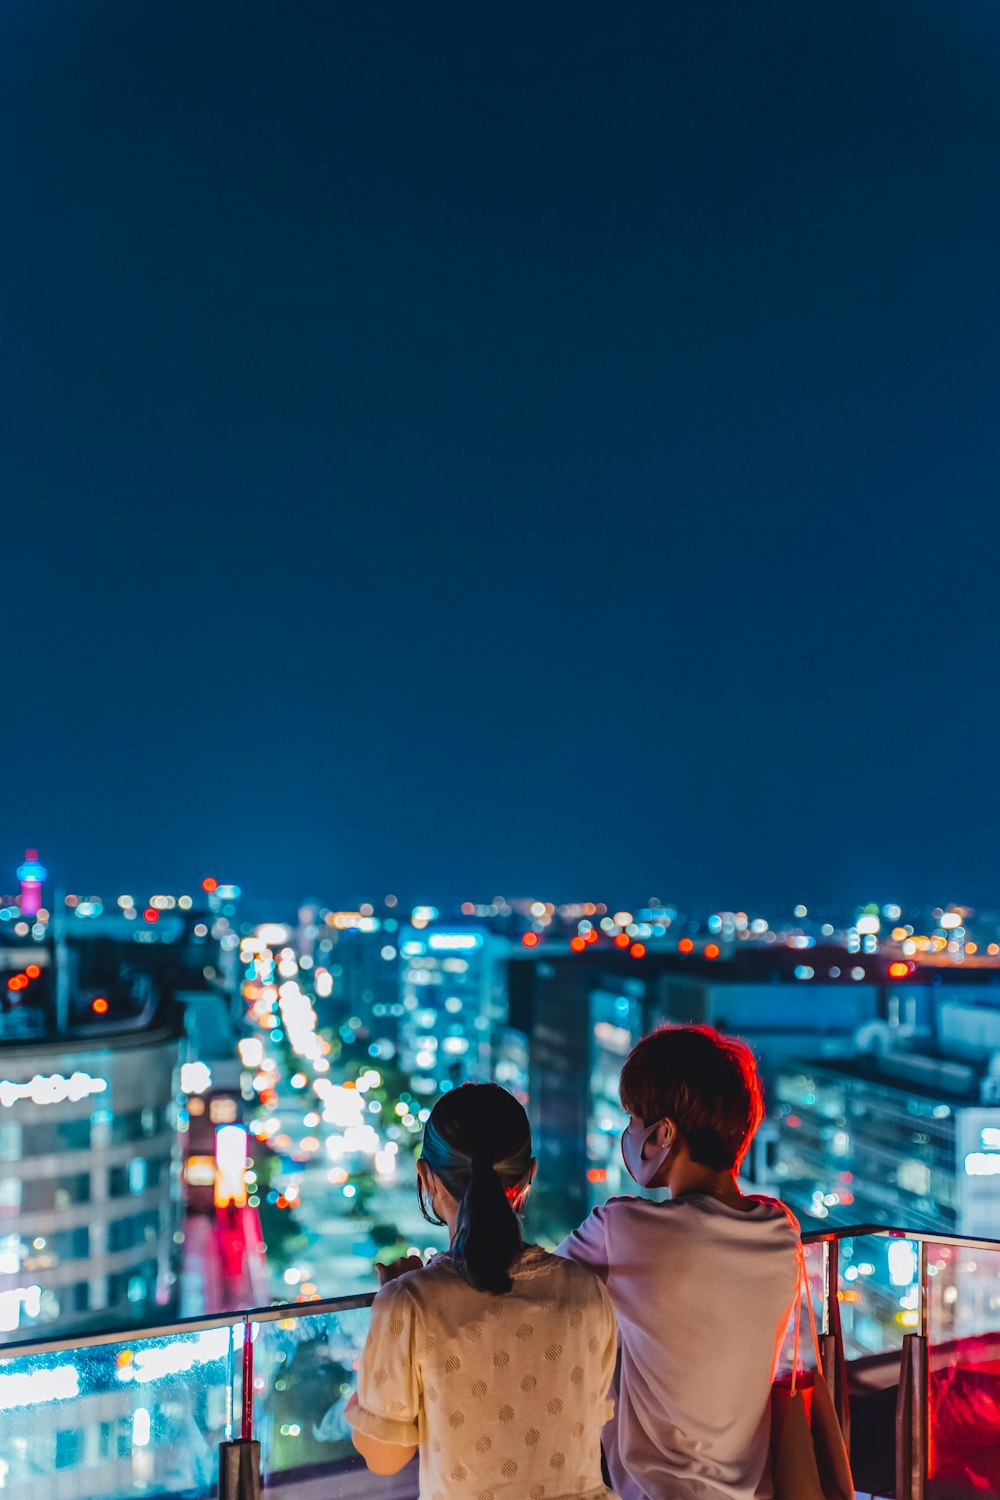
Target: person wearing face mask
702,1284
495,1359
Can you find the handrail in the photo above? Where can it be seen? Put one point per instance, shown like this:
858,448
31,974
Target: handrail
273,1314
891,1231
278,1311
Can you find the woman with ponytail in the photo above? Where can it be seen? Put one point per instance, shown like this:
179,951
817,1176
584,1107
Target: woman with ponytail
495,1359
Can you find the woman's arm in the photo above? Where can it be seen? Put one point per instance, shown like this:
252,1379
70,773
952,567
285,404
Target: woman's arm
381,1457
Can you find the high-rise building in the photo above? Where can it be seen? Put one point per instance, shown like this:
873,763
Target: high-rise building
355,958
580,1016
89,1197
780,1006
906,1131
582,1012
453,995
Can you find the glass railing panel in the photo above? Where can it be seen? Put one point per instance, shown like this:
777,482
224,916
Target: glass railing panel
144,1417
963,1326
879,1295
136,1417
878,1299
305,1369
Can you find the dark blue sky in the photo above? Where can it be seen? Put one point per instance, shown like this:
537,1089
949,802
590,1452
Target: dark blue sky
462,449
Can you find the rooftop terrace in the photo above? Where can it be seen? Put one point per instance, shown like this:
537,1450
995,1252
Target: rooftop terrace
910,1339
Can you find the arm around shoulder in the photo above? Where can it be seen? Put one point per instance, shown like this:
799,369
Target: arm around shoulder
588,1245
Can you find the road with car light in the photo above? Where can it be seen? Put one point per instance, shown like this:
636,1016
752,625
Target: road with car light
338,1137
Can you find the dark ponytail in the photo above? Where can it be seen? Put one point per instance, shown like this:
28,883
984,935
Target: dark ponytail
478,1142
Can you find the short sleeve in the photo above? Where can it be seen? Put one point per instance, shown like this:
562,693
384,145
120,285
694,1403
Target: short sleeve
388,1386
588,1245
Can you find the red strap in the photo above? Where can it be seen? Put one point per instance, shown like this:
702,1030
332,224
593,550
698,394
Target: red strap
802,1290
799,1278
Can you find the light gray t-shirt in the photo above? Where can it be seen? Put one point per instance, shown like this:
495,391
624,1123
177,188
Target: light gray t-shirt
703,1294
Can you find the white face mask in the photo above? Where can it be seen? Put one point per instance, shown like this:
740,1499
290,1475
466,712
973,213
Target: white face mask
634,1138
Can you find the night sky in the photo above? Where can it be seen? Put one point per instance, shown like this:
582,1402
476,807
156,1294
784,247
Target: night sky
537,449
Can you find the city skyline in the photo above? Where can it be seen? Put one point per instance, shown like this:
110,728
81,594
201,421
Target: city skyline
51,890
499,523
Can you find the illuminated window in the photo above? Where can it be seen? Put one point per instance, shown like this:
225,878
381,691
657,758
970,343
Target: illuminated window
222,1111
69,1445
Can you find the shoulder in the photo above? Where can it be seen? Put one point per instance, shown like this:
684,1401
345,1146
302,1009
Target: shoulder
619,1209
417,1288
393,1299
628,1209
569,1272
620,1203
400,1297
574,1282
593,1241
774,1211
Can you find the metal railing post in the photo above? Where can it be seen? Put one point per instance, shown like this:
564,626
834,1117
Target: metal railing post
831,1341
831,1281
912,1405
246,1422
239,1461
828,1323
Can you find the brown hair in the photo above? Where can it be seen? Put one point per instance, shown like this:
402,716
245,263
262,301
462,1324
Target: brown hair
706,1083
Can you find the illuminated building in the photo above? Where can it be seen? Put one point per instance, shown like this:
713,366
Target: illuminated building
583,1009
357,955
615,1024
89,1159
782,1003
580,1018
210,1079
512,1061
89,1201
907,1131
454,1002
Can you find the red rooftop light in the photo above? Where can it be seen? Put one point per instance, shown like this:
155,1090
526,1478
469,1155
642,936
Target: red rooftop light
209,884
530,939
638,950
151,914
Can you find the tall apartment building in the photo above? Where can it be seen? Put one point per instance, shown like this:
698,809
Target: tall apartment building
89,1195
905,1131
453,994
